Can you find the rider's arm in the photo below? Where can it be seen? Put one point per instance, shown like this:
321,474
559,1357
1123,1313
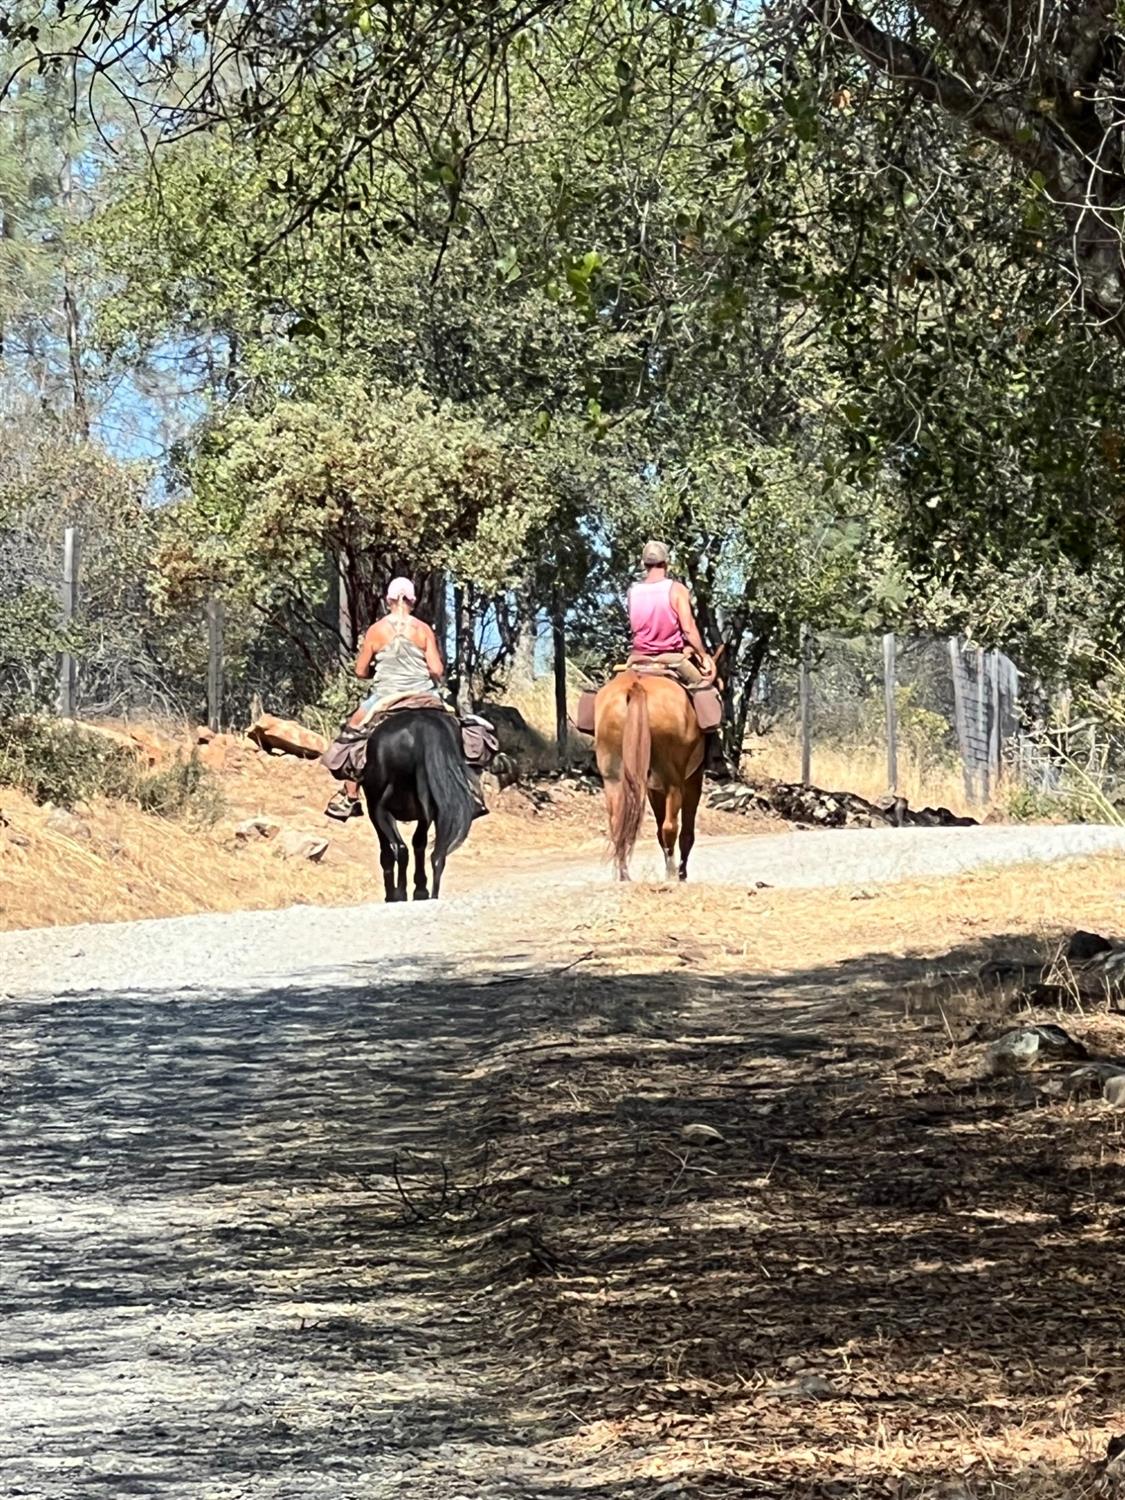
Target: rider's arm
681,603
367,652
433,655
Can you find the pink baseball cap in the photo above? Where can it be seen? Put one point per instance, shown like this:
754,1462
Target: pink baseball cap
400,588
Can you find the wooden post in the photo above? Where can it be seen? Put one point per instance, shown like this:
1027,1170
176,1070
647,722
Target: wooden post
891,710
994,740
805,697
959,712
214,664
982,723
68,668
562,722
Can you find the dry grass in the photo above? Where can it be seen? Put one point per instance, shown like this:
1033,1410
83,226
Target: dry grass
130,865
535,700
862,771
773,931
888,1277
859,769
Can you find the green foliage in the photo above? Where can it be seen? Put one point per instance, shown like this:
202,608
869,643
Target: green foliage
336,702
29,642
1027,804
925,733
376,480
185,790
668,287
55,762
51,479
60,763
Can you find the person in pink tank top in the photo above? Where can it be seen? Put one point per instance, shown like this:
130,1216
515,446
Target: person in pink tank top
662,622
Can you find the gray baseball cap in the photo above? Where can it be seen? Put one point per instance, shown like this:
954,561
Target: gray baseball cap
655,555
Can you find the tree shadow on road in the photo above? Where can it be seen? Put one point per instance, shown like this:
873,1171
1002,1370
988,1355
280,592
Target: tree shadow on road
413,1233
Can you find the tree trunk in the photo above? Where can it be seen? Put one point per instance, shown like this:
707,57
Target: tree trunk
522,672
463,626
439,610
73,324
562,718
739,694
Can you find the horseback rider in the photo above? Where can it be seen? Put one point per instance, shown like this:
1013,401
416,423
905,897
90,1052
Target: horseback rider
400,655
663,625
665,634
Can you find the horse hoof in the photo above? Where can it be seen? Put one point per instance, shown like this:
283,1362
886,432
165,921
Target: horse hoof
421,895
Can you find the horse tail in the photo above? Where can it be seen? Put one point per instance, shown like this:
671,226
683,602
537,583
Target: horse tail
636,758
446,778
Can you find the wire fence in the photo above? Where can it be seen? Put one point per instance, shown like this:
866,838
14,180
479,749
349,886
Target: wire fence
939,702
925,702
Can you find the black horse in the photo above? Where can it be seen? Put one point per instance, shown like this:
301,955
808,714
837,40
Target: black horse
416,771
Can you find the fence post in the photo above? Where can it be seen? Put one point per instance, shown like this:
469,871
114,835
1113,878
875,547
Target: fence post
982,725
889,684
214,663
959,714
806,704
994,741
68,667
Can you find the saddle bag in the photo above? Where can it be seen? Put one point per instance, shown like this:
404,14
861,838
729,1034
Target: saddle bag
708,703
479,742
584,713
346,756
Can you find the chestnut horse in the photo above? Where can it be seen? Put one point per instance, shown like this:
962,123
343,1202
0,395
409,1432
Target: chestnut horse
647,738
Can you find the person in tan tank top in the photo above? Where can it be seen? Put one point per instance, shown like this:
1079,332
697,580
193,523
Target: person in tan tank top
401,653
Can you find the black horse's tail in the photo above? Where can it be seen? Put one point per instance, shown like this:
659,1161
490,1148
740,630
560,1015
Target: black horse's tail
447,781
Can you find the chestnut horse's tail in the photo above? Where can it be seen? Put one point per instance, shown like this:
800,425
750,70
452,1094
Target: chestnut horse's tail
636,758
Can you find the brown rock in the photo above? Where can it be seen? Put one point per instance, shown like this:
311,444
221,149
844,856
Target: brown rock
61,821
253,829
292,844
285,736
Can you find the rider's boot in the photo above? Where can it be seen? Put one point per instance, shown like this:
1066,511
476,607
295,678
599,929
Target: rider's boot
714,761
480,808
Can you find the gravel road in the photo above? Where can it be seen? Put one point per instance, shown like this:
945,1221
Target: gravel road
209,1287
337,944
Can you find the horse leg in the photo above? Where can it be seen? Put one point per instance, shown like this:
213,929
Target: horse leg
614,792
658,801
392,849
669,827
693,790
421,835
441,853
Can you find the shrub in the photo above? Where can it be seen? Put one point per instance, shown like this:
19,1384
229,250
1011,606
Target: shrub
184,790
342,694
56,762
